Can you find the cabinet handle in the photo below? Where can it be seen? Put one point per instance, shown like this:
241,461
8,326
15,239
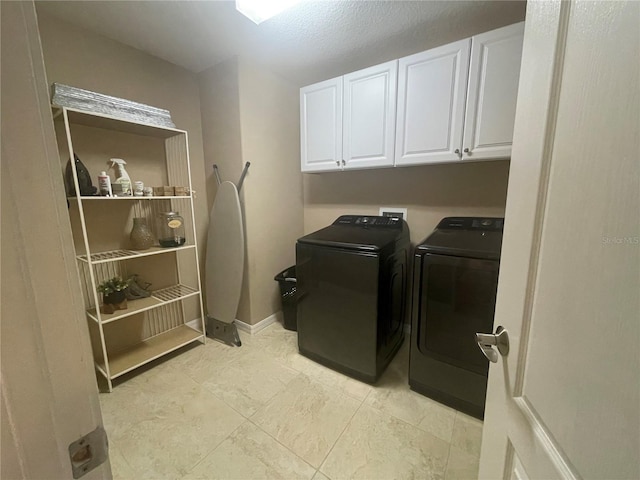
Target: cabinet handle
338,162
343,163
457,151
466,150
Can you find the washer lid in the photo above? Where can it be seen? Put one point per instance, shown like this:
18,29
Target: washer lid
359,232
473,237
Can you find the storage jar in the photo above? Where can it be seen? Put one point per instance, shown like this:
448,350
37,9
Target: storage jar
170,229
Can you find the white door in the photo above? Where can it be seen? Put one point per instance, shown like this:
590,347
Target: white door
493,90
565,401
370,116
321,126
431,97
49,393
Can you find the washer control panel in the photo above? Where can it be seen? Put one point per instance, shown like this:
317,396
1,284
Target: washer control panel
368,221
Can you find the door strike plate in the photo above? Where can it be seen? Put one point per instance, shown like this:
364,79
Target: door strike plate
88,452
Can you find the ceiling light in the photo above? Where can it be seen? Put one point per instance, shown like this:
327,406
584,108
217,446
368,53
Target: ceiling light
260,10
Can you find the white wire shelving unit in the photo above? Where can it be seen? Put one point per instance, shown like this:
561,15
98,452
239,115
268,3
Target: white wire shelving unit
173,315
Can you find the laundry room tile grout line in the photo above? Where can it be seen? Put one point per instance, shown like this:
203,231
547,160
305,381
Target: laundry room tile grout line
279,442
339,437
328,383
250,419
368,393
334,388
446,465
225,402
204,457
125,459
408,423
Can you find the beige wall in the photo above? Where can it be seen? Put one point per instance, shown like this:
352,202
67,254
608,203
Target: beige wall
220,107
77,57
428,192
270,122
251,115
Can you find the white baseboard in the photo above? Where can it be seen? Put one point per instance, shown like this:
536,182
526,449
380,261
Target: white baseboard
264,323
261,325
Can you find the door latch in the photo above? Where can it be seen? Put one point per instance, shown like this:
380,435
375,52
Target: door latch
486,342
88,452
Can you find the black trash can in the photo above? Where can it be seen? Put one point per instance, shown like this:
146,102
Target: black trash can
287,281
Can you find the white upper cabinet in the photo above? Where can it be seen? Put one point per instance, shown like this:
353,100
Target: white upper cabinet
493,88
321,126
432,87
370,116
451,103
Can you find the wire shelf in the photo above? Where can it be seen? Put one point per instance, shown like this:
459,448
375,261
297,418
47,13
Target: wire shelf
106,256
157,299
173,293
115,255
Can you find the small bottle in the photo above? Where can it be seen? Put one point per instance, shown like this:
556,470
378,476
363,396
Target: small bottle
170,229
138,189
104,184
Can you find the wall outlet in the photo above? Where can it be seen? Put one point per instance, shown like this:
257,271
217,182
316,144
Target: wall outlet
393,212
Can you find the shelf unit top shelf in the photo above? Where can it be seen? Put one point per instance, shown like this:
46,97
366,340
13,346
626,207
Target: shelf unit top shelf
99,197
148,350
117,255
108,122
158,298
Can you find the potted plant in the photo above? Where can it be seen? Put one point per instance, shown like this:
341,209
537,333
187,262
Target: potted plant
113,294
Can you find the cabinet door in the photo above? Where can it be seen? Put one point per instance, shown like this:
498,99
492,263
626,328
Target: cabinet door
369,116
431,98
493,87
321,126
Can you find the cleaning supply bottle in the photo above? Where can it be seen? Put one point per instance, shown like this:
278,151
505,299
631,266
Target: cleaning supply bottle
104,184
122,177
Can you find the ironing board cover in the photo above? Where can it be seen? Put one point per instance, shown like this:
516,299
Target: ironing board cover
225,255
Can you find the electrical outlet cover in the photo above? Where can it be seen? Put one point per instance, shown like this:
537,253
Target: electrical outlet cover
393,212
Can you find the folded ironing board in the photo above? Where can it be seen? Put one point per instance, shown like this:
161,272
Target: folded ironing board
225,262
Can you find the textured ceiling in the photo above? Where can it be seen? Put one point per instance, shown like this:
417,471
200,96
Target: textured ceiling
310,42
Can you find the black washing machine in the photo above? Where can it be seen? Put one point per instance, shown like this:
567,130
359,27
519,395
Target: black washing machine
351,283
455,280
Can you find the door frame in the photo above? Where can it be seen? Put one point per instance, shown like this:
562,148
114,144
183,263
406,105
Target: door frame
48,384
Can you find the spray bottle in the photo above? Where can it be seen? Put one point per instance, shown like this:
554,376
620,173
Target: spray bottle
122,177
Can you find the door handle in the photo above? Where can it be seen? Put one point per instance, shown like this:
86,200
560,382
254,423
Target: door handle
486,342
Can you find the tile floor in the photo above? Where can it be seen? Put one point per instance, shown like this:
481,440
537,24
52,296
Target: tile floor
262,411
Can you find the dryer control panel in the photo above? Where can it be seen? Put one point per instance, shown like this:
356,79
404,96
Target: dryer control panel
471,223
368,221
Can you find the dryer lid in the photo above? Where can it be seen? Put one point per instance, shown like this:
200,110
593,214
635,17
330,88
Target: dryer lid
472,237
